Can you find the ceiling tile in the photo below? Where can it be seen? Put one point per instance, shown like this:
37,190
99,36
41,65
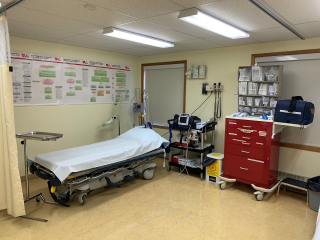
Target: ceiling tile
29,36
140,51
273,35
50,21
99,42
153,30
172,21
176,49
193,3
79,44
139,8
310,29
98,34
123,51
228,42
198,44
74,9
297,11
37,31
241,13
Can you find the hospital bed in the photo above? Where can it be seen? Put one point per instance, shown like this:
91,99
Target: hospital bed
72,173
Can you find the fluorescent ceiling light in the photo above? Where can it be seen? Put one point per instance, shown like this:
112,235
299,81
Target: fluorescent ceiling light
203,20
119,33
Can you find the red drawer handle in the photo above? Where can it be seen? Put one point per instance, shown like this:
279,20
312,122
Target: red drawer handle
244,168
233,134
245,143
259,143
244,151
253,160
246,137
246,130
237,140
247,126
232,123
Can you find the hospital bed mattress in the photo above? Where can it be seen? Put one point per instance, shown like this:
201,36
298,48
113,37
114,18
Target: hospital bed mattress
131,144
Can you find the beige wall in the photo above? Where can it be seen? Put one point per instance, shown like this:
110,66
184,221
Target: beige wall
222,65
79,124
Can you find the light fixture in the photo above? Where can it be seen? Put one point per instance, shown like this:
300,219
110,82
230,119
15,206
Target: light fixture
275,17
130,36
203,20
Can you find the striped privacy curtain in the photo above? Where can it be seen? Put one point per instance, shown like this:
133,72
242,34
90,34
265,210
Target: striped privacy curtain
11,197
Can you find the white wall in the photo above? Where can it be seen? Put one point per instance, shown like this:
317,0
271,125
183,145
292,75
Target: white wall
223,66
79,124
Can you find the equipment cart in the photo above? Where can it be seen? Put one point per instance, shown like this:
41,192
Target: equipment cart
200,149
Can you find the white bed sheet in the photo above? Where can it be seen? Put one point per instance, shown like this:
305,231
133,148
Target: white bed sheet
317,233
132,143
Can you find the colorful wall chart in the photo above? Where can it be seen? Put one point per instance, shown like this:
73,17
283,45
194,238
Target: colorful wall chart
49,80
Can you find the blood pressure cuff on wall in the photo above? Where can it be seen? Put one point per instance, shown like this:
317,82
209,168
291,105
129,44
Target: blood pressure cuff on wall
294,111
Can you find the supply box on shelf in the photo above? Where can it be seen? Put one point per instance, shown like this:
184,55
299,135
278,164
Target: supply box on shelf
259,89
193,162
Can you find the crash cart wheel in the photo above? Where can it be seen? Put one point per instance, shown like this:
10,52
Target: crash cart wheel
223,186
259,197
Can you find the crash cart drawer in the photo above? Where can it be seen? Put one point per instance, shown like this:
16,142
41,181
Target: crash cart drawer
245,168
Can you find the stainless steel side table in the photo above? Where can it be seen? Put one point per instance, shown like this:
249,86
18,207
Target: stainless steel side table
39,136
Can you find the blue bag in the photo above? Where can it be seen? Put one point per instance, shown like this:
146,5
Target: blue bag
294,111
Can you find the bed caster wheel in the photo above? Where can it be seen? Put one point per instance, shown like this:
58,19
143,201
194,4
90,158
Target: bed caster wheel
38,199
223,186
148,174
82,198
169,168
259,197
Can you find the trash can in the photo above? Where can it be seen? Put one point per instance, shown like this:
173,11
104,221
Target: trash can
313,186
214,170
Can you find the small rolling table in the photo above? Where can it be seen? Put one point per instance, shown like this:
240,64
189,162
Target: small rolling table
39,136
202,149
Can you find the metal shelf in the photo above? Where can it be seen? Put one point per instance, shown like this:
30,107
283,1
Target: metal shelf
191,169
279,126
192,149
261,81
247,95
256,106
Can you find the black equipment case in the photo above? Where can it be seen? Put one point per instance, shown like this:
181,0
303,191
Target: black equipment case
294,111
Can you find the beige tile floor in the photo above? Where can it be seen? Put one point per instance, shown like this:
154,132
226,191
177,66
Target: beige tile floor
166,208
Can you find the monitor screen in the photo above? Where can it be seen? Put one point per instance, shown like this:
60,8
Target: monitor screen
183,119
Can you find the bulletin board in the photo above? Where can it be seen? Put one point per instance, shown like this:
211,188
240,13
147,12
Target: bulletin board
49,80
